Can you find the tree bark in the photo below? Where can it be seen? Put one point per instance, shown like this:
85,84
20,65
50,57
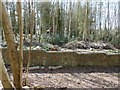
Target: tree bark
31,35
4,75
3,72
21,38
11,45
119,17
108,16
85,32
53,22
70,21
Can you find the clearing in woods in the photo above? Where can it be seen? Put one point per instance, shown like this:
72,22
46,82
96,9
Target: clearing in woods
74,77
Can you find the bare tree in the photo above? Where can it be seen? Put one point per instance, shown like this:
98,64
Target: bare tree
3,72
31,35
119,16
70,21
19,11
108,15
11,45
53,19
100,14
85,32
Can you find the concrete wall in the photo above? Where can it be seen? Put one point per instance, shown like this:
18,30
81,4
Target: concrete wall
40,57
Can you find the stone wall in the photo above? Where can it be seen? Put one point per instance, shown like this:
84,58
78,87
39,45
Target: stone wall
40,57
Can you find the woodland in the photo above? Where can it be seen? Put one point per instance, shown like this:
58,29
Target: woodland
85,26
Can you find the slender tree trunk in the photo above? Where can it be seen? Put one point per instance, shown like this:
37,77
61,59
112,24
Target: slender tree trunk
70,21
77,18
118,22
26,22
53,22
119,17
100,21
12,46
31,34
95,16
29,10
108,21
39,34
115,14
40,28
85,32
53,17
34,27
108,17
26,29
21,38
57,6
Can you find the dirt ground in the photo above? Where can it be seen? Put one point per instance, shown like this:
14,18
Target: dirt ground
75,77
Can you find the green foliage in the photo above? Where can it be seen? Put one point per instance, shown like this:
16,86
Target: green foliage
47,48
59,39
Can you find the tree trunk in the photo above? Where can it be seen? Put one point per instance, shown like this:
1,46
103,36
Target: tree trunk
12,46
100,21
26,22
119,16
29,12
3,72
4,75
108,16
85,32
70,21
21,38
31,34
53,22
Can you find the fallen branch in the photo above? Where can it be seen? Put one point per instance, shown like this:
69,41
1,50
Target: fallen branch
55,67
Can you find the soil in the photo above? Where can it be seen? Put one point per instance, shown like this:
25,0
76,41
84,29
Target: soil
75,77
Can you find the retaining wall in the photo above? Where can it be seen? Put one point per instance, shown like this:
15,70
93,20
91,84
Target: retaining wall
40,57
